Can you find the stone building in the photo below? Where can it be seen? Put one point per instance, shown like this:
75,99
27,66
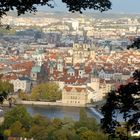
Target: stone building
82,52
75,95
22,83
38,74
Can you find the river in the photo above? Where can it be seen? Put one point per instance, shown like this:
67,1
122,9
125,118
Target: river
59,112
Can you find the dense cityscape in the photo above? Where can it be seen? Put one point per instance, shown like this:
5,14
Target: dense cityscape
87,56
64,59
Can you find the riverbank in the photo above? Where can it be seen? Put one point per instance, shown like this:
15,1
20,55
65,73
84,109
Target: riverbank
56,109
57,103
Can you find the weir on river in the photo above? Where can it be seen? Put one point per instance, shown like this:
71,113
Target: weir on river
97,114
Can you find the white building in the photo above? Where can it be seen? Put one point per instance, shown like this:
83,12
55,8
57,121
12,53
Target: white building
22,83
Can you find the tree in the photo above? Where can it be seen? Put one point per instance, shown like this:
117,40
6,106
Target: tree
6,86
86,122
135,44
125,101
81,130
87,135
23,6
60,134
16,129
20,114
5,89
46,92
39,132
64,134
83,115
57,123
40,120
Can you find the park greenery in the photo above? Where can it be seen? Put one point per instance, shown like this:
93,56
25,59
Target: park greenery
49,91
19,123
5,89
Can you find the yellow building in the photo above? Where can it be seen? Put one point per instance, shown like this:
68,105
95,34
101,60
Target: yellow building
75,95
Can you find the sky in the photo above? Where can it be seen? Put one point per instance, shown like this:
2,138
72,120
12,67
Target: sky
118,6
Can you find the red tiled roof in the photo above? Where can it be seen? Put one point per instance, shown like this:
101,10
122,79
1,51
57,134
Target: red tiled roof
23,65
78,89
9,77
68,89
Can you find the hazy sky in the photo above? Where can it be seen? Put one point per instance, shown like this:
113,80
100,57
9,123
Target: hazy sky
124,6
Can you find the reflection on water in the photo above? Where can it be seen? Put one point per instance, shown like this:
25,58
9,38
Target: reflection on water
58,112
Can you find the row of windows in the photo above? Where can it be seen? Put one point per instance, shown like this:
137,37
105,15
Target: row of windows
74,102
75,97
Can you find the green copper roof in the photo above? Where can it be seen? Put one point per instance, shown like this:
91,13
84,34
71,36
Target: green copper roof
37,52
95,73
52,63
36,69
71,69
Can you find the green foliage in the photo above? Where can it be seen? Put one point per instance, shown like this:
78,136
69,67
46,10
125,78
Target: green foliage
81,130
5,89
87,135
40,120
39,132
90,123
7,132
60,134
20,114
46,92
125,101
91,135
30,5
100,136
135,44
87,122
19,123
57,123
83,115
23,96
5,86
64,134
16,129
120,132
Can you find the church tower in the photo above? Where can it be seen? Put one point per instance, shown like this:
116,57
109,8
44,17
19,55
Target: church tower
95,80
60,64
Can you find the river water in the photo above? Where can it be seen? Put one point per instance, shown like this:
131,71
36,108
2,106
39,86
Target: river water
59,112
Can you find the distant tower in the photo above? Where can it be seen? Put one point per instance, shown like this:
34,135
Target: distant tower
52,65
95,81
60,64
38,56
81,70
94,75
